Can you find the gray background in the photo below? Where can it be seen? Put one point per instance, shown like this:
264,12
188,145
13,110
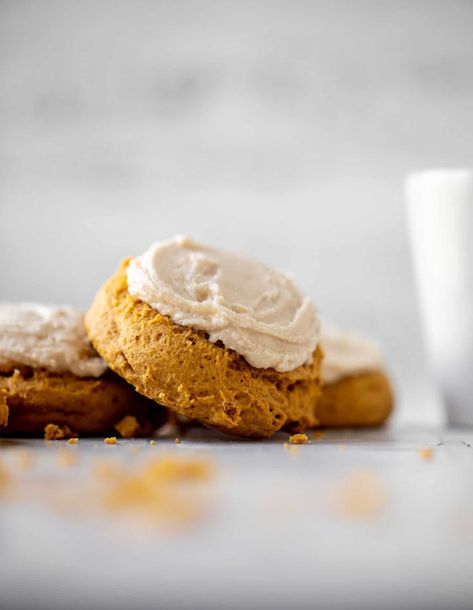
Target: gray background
282,129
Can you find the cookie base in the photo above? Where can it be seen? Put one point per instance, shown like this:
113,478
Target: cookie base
88,406
361,400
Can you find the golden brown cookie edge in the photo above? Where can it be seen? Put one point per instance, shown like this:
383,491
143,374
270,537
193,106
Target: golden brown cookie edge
366,399
88,406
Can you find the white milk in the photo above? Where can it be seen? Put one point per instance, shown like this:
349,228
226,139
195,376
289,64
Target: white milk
440,216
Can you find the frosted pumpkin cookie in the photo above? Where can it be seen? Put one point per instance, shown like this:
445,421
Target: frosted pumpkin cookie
356,390
50,374
216,337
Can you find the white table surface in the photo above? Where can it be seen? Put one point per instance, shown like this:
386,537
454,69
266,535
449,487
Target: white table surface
271,537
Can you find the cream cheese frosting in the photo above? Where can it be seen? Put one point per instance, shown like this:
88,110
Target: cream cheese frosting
347,354
52,338
253,309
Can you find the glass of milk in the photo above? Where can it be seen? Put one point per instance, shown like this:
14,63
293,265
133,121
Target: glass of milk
440,218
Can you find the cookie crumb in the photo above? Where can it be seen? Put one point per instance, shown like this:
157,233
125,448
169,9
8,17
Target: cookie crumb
67,458
298,439
105,469
318,434
164,491
176,469
73,441
25,460
128,426
110,440
178,440
360,495
152,442
426,453
53,432
3,478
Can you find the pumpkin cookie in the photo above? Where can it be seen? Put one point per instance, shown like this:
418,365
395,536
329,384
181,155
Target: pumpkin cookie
188,356
49,374
356,390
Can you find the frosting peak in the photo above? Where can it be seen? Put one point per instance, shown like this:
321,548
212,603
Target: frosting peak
46,337
253,309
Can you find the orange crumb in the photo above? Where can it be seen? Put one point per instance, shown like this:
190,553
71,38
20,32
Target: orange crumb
361,495
426,453
67,458
128,426
73,441
318,434
53,432
168,492
160,490
24,459
3,477
133,494
152,442
175,469
105,469
178,440
299,439
110,440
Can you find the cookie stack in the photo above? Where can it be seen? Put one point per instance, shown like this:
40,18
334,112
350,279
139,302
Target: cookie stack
50,374
216,337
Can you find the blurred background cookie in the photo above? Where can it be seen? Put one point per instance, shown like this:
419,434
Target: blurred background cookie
50,374
356,389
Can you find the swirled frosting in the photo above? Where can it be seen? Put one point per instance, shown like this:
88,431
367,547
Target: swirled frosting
251,308
52,338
